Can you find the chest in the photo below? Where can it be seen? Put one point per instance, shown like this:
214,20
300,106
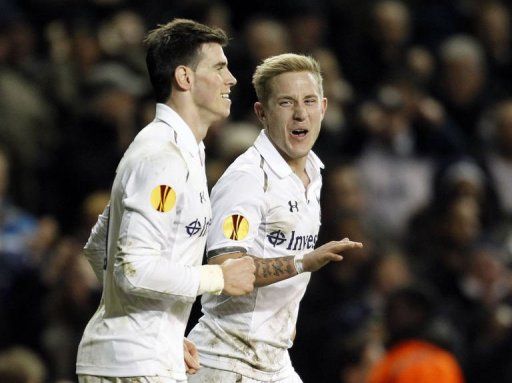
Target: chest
292,218
194,213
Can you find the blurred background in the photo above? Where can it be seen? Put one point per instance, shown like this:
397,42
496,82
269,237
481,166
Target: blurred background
417,142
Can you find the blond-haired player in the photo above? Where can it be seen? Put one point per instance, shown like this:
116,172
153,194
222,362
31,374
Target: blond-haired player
267,205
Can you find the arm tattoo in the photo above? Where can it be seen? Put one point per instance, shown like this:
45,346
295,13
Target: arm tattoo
278,268
262,268
273,270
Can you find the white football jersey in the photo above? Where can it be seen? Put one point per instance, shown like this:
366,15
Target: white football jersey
157,224
260,207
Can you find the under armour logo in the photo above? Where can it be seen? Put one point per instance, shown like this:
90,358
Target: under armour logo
276,238
294,205
201,196
193,227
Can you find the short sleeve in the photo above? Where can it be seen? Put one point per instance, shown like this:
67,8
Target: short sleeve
238,204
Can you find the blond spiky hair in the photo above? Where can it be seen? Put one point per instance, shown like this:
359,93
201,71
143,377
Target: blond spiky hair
283,63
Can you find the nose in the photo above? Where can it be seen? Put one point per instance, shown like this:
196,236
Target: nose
299,112
231,80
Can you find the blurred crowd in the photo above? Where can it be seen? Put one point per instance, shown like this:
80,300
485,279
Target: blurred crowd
417,142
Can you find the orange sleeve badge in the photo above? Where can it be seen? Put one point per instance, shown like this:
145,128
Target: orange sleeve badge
235,227
163,198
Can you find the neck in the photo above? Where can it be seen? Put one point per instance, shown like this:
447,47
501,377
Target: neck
299,168
298,165
190,115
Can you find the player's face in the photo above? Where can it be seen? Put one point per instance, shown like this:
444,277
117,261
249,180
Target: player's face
212,83
293,113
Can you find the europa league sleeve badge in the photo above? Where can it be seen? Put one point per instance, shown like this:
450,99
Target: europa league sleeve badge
235,227
163,198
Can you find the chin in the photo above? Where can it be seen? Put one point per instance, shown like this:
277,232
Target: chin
223,115
302,152
298,155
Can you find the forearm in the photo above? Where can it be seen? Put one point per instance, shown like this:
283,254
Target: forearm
268,271
150,274
273,270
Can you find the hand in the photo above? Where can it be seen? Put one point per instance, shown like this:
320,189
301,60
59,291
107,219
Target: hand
328,252
238,276
191,356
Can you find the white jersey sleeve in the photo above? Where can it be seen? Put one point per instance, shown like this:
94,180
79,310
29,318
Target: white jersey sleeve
95,249
145,264
238,207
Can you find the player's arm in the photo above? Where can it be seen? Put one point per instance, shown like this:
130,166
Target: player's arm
95,249
273,270
239,206
268,271
145,264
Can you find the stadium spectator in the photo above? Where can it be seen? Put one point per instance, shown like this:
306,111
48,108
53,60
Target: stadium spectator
412,355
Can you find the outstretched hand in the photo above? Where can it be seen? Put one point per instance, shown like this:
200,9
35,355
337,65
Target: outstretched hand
329,252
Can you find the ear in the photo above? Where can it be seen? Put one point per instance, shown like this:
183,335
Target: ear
324,106
260,112
183,77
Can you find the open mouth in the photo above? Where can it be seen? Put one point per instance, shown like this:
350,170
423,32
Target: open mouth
299,132
225,95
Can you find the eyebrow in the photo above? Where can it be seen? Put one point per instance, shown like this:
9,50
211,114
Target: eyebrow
287,97
221,64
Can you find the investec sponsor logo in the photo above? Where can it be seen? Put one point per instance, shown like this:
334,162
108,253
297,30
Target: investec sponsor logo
295,242
196,226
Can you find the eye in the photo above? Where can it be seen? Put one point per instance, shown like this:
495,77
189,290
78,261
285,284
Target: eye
310,101
285,103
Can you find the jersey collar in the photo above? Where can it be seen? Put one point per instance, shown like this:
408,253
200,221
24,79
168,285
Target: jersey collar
265,147
184,136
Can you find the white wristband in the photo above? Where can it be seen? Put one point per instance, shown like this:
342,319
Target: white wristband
212,280
298,262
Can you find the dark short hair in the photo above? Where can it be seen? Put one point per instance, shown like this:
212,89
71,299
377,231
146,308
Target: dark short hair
176,43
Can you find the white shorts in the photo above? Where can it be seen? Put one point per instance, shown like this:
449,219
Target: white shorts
211,375
133,379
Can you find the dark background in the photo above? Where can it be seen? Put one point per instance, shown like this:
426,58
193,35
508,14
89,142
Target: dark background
417,143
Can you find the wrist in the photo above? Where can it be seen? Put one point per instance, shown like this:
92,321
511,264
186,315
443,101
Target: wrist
211,280
298,262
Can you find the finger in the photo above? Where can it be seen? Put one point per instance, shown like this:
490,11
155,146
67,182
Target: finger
190,347
195,362
353,245
191,362
248,262
247,259
348,245
335,257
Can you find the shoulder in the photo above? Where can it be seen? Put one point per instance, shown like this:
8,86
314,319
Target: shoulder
150,159
151,151
245,172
